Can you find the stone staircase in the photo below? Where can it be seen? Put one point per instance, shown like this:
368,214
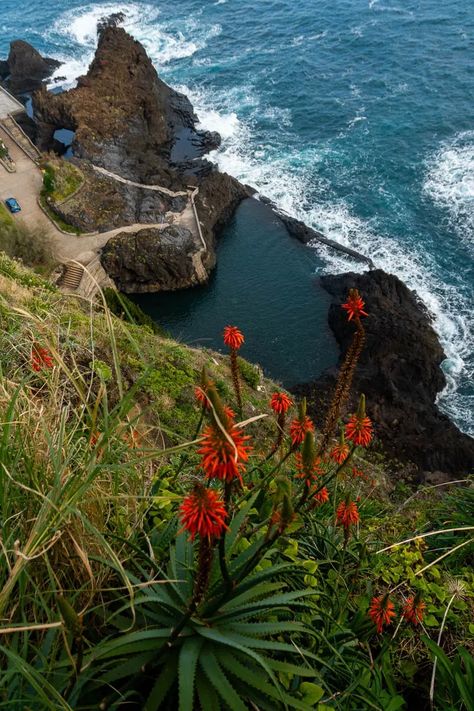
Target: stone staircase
71,277
17,134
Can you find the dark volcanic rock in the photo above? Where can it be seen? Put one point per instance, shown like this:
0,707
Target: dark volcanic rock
399,371
152,260
27,68
124,117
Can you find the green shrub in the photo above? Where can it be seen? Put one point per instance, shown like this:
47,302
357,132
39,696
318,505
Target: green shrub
249,372
129,311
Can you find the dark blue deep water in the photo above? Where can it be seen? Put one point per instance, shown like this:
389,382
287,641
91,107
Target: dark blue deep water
355,115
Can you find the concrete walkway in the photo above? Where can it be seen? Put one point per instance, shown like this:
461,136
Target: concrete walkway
144,186
25,185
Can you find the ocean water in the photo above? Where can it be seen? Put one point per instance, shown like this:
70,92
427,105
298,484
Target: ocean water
356,116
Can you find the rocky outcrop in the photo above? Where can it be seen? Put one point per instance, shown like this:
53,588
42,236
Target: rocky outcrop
25,68
154,260
399,371
128,121
124,117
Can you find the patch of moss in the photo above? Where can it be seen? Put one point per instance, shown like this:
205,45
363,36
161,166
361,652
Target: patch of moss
250,373
58,221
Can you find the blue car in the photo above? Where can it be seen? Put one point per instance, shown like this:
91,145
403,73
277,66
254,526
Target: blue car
13,205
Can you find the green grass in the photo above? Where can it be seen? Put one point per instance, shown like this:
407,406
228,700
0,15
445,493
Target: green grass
58,221
5,216
64,179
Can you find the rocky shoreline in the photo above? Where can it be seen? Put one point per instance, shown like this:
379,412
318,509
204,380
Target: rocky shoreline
128,122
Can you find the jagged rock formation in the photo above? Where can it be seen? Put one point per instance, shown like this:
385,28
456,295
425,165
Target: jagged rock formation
125,118
399,371
128,121
152,260
25,68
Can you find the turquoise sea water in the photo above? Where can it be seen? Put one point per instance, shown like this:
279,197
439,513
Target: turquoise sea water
354,115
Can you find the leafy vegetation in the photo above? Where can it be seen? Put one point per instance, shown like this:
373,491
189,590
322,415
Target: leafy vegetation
61,179
114,594
17,240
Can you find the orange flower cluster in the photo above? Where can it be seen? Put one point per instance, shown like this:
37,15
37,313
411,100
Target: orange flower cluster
203,513
224,453
381,611
339,453
298,429
413,610
40,358
280,403
359,430
347,514
309,472
321,497
233,337
354,305
200,393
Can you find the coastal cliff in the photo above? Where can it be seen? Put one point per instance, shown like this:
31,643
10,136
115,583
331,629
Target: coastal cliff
132,133
127,122
399,372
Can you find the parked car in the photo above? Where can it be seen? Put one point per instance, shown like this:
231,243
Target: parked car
13,205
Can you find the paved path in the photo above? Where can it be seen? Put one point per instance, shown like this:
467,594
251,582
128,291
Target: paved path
8,104
25,185
145,186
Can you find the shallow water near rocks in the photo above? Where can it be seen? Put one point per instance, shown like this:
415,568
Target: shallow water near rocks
264,283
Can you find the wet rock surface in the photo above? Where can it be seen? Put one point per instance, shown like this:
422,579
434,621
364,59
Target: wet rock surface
399,372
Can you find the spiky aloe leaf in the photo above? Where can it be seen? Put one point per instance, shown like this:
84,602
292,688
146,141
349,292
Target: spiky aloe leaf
255,592
128,668
284,600
218,679
163,684
258,629
249,677
237,521
208,697
181,566
188,658
227,640
134,642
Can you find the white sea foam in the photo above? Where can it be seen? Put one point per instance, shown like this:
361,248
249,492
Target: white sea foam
450,183
163,42
289,180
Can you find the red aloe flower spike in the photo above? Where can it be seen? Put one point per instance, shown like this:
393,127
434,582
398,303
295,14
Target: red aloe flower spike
300,425
233,338
203,513
354,305
224,448
308,464
359,428
339,453
413,609
347,514
321,497
40,358
381,611
280,403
